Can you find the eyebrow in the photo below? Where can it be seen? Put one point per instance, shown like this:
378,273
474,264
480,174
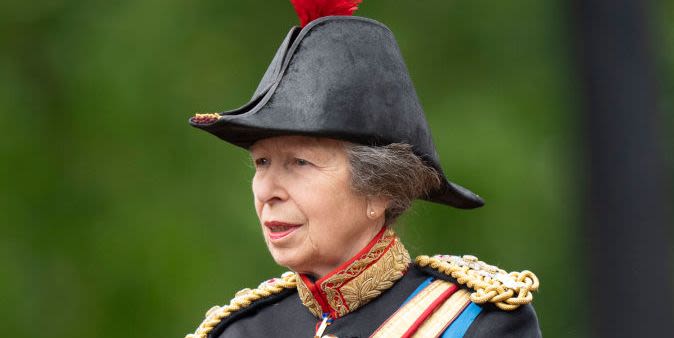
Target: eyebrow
310,146
309,151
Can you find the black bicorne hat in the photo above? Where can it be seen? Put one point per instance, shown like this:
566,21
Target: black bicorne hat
340,77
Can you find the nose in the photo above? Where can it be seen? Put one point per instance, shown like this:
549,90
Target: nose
268,186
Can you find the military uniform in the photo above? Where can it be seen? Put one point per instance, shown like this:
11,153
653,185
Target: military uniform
381,293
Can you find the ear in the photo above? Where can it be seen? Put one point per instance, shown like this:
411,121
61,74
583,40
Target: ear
376,206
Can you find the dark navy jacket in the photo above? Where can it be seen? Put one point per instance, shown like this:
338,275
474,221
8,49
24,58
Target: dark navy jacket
284,315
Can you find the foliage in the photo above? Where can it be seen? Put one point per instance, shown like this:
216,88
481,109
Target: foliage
119,220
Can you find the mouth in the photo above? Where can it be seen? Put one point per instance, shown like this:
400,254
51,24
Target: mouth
278,230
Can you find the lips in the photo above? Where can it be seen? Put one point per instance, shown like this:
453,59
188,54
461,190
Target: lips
278,230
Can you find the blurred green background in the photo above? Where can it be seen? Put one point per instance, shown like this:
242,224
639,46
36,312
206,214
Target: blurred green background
120,220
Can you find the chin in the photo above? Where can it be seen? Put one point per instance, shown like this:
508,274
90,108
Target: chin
286,258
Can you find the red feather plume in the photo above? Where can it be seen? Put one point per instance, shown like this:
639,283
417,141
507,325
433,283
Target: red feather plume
309,10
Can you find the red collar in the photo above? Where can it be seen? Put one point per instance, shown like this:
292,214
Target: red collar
359,280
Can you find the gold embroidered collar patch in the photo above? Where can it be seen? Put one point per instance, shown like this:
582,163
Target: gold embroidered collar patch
355,283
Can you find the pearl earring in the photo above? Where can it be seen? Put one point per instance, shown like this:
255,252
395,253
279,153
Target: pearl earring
372,212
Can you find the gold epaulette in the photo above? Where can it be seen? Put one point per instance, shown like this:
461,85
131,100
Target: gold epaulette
489,283
242,300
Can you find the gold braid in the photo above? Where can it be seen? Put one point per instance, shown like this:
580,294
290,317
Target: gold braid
241,300
490,284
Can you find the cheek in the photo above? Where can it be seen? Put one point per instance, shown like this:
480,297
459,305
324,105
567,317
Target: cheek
254,186
258,207
333,203
258,211
256,201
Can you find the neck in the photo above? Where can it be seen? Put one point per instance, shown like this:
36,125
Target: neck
362,244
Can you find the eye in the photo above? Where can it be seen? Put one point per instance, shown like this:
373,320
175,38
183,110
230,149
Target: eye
262,161
301,162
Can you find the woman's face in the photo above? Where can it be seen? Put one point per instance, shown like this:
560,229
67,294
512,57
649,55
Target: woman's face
311,219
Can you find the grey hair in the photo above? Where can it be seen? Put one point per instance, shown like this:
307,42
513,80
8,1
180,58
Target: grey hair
392,171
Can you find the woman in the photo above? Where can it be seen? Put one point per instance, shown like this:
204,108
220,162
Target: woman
341,148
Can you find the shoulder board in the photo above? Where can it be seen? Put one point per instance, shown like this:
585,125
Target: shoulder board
506,290
243,299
